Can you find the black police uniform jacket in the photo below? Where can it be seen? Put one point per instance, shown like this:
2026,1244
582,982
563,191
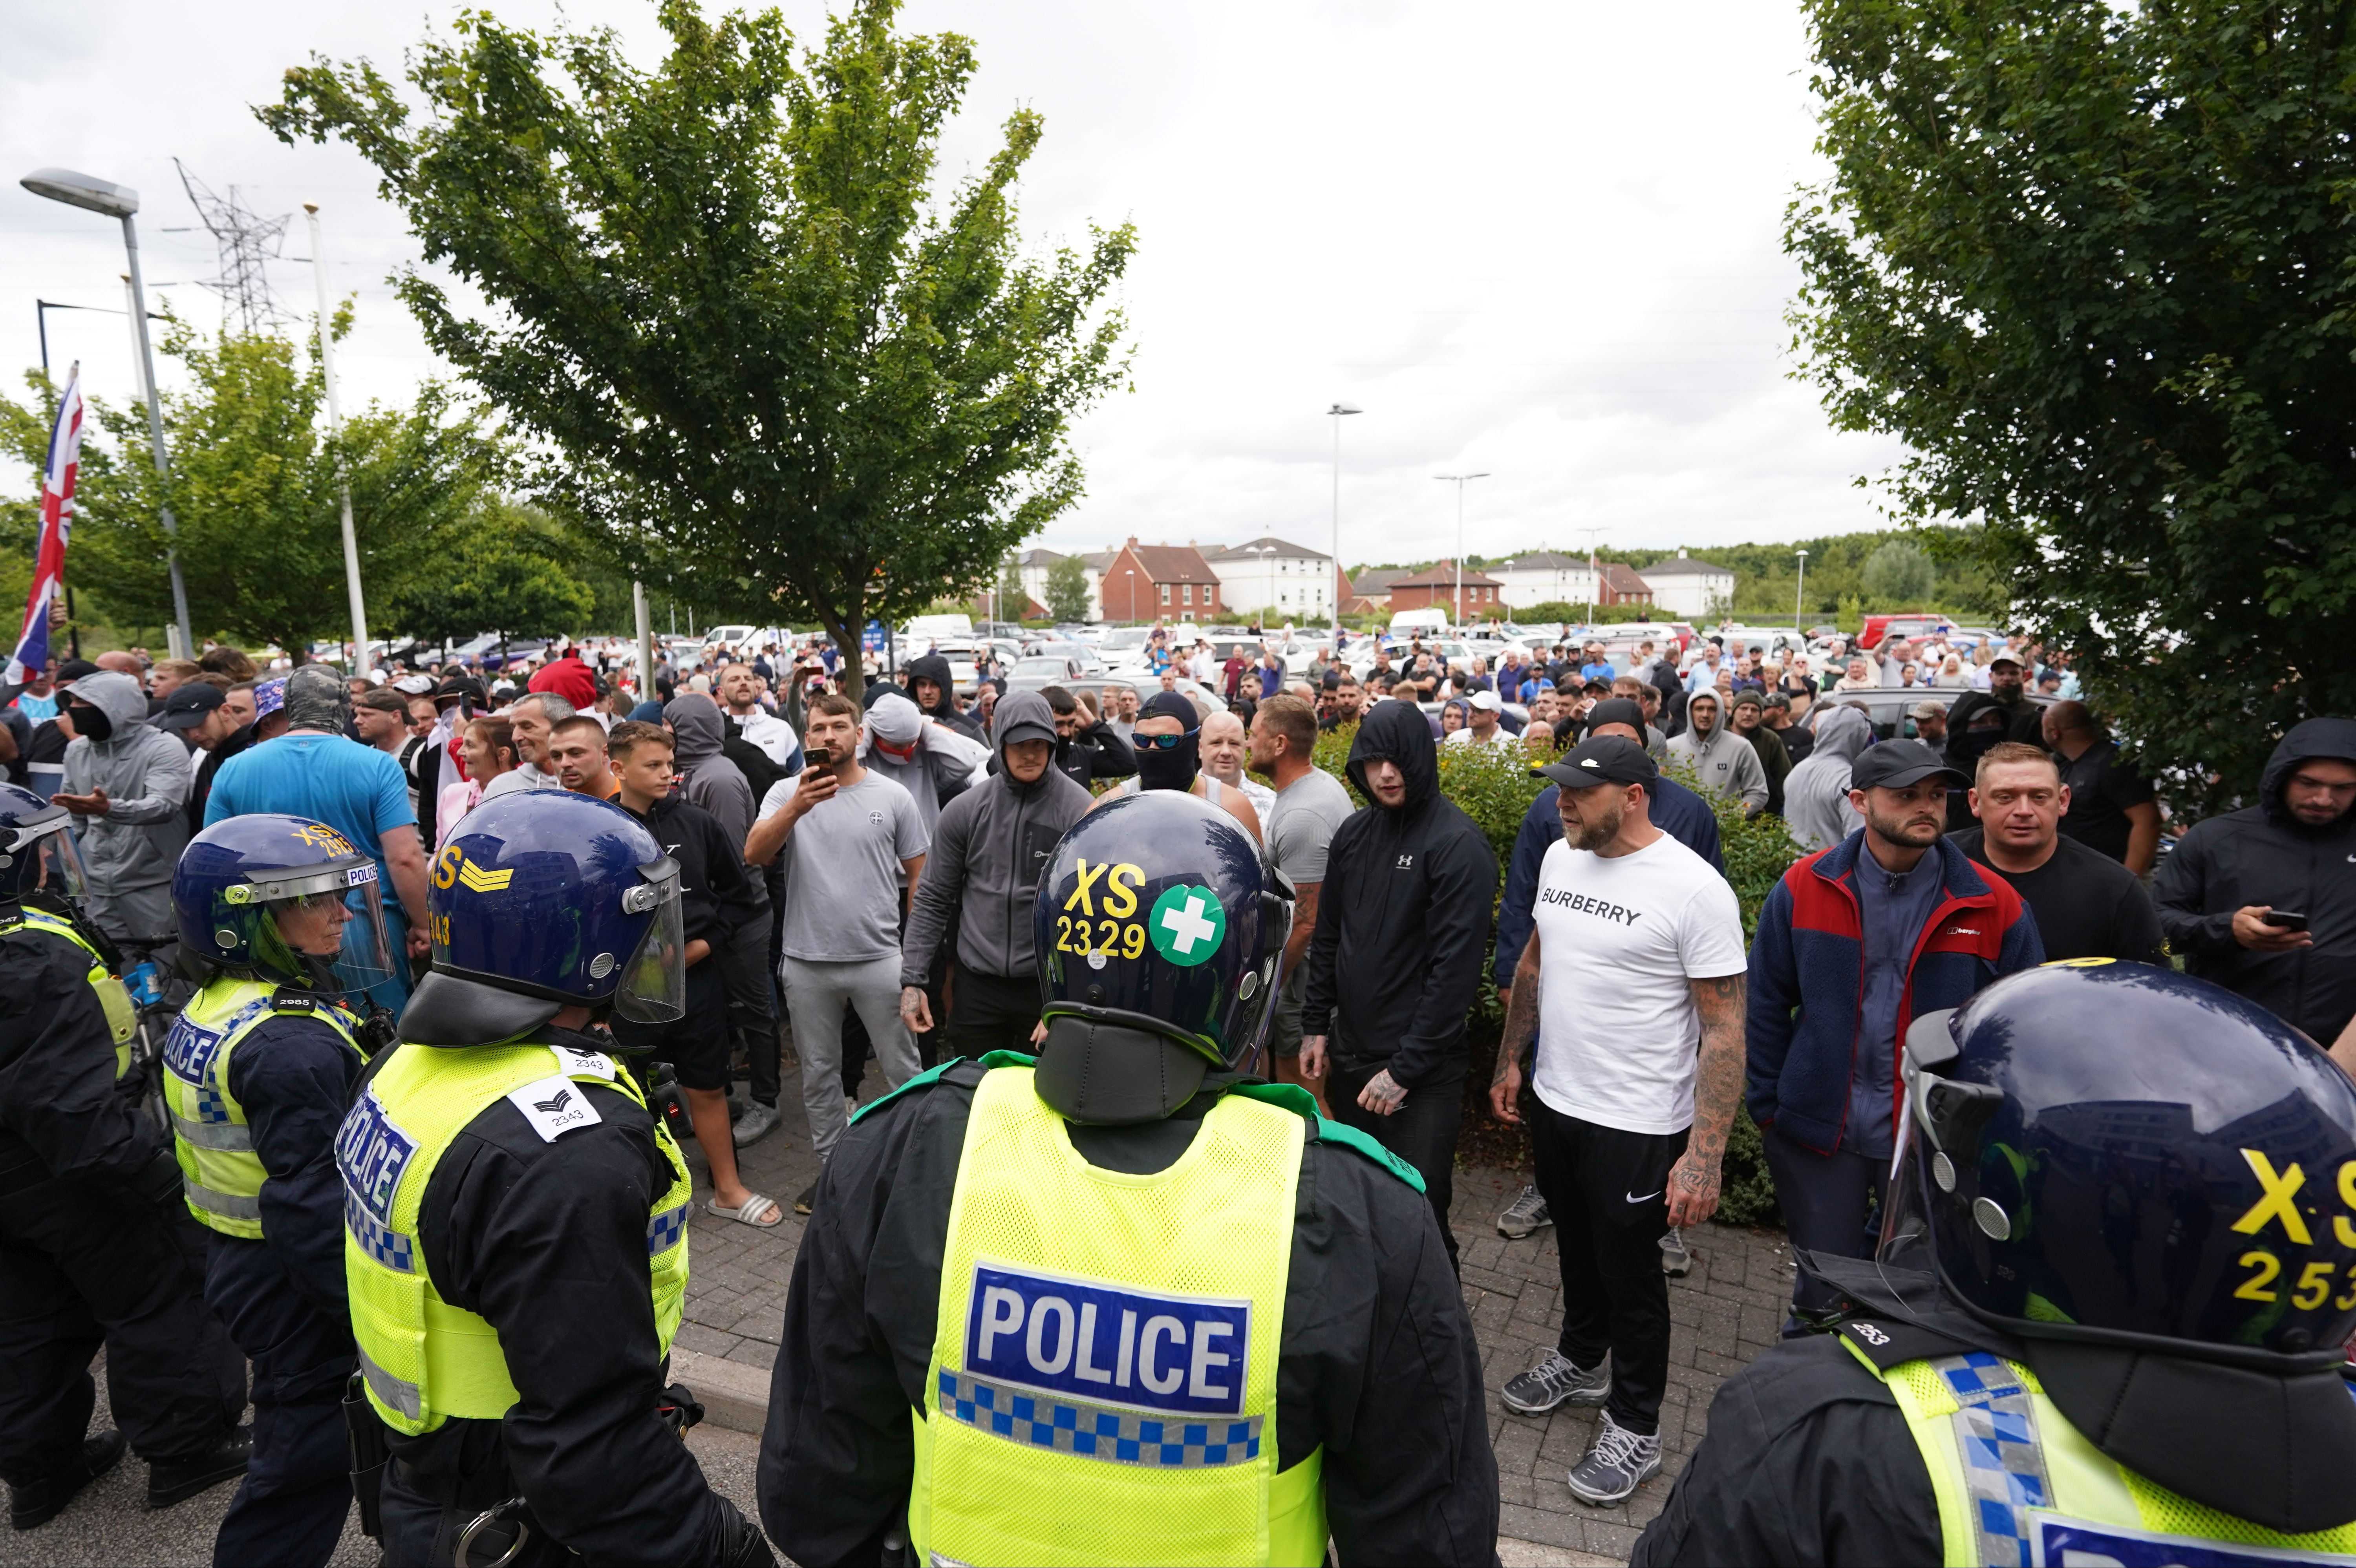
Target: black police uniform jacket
1809,1459
1376,1361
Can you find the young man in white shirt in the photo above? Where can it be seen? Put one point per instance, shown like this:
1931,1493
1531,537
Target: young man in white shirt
1636,965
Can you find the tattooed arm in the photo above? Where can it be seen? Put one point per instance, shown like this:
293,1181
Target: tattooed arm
1692,1181
1521,1034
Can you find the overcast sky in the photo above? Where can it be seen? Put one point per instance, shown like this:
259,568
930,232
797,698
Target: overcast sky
1534,239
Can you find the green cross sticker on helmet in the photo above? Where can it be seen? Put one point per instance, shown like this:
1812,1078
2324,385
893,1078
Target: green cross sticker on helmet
1187,925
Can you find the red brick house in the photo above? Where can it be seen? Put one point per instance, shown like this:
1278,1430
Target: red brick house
1149,582
1622,585
1436,585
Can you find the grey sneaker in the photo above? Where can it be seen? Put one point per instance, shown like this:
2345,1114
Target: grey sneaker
1524,1215
1553,1381
756,1123
1616,1466
1675,1261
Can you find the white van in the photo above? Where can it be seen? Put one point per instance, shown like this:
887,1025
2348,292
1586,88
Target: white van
939,628
1427,621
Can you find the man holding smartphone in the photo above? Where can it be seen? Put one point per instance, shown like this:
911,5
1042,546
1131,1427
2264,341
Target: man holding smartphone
2262,901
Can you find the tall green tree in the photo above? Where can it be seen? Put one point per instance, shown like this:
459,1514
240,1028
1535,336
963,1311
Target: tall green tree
1899,575
2093,263
505,571
774,358
1067,588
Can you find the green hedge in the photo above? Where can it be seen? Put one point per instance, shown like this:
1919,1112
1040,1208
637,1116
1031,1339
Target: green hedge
1494,787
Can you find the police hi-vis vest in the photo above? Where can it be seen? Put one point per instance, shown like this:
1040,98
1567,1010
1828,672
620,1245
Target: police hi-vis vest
219,1172
2016,1484
1103,1378
121,1018
424,1360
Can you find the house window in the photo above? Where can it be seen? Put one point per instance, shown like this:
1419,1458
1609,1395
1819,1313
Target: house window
1165,593
1188,592
1210,591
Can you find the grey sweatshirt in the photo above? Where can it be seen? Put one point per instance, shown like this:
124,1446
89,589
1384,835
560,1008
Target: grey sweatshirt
1723,759
989,848
146,775
1815,793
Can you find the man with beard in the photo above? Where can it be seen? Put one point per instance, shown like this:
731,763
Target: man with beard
2262,901
1854,943
1636,965
1725,763
1750,724
2024,720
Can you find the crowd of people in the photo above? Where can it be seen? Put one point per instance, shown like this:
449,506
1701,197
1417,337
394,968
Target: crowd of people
860,865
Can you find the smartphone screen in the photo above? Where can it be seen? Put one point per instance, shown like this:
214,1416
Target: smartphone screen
2284,919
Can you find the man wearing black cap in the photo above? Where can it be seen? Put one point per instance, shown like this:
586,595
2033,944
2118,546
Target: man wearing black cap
1637,969
1854,943
2007,685
200,714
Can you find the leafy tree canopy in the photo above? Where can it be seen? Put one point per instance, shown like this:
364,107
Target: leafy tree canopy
506,572
1067,589
722,290
2093,263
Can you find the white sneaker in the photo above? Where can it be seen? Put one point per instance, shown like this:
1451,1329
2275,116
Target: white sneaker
1675,1261
758,1122
1619,1463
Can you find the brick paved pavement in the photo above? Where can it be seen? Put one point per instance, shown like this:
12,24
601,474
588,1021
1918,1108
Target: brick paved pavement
1725,1312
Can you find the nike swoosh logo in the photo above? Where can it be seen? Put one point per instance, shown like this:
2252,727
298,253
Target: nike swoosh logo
1647,1198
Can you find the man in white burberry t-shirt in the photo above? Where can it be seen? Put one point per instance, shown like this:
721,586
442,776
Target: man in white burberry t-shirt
1636,970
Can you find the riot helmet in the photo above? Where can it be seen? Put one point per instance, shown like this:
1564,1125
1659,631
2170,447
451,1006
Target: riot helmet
541,900
1159,926
39,863
284,898
2116,1154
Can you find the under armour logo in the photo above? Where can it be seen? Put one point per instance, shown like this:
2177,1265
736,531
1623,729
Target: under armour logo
1405,863
563,1098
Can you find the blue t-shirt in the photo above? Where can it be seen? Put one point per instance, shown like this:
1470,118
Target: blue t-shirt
39,710
356,790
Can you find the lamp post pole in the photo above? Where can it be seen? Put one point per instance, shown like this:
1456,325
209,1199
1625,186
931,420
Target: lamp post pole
1799,597
335,433
1460,481
94,195
1336,413
1594,574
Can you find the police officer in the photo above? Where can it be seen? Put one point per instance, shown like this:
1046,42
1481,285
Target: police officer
95,1245
1125,1304
2107,1319
515,1241
282,914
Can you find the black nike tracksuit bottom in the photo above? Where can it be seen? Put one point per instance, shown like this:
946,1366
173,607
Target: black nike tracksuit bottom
1607,1192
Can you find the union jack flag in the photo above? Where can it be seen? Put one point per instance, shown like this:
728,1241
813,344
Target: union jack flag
32,653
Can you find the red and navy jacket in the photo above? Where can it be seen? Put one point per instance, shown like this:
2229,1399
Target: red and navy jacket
1807,980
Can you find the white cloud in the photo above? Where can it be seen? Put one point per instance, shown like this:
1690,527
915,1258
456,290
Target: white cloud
1536,238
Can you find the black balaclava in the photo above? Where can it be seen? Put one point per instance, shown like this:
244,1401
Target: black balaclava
1174,768
90,720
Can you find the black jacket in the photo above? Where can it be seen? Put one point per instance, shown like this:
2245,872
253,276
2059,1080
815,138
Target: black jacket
242,740
716,889
1377,1360
2262,855
547,1242
60,1108
1403,917
1808,1458
295,1077
935,669
1097,751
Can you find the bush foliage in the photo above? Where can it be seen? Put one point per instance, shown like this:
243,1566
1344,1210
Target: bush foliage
1494,787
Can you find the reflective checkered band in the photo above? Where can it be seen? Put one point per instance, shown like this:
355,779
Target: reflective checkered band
665,1229
210,1107
2004,1464
1097,1432
380,1241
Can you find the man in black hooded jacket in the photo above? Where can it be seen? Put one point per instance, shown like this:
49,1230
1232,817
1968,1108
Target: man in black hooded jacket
2295,851
1402,921
934,691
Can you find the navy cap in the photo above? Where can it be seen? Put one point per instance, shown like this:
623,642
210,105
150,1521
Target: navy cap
1601,760
187,706
1894,764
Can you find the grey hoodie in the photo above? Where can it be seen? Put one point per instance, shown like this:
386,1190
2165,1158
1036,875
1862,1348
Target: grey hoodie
146,775
1723,760
708,778
989,847
1815,793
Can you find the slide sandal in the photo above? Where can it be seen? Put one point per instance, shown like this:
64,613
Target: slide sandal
753,1205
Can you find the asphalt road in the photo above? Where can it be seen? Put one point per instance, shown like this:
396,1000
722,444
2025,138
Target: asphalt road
110,1524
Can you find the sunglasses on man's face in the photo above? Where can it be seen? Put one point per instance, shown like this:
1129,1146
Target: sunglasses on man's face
1162,742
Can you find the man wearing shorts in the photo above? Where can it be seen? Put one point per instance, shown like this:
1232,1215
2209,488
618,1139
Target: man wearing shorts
716,893
1635,964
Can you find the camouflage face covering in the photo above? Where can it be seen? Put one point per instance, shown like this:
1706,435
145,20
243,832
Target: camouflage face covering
317,699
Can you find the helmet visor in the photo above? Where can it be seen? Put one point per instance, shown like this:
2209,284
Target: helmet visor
57,868
339,923
653,988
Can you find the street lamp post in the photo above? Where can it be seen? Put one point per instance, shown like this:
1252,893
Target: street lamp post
336,432
94,195
1336,413
1594,573
1799,598
1460,481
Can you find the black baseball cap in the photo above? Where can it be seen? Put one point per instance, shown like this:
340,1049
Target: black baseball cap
1894,764
1616,711
1605,759
188,704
